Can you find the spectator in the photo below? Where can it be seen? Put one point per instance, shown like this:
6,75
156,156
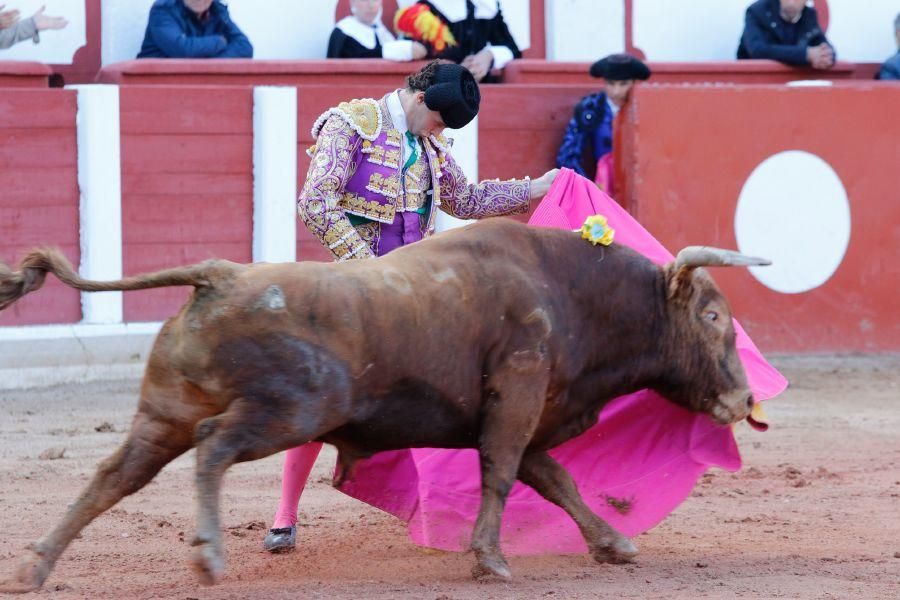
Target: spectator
363,35
587,144
193,29
890,70
787,31
13,30
471,33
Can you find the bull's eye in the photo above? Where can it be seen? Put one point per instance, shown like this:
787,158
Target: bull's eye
711,315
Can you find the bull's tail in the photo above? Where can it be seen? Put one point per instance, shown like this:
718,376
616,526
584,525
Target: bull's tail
34,268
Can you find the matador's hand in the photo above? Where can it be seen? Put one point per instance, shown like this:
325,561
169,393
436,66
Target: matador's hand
541,185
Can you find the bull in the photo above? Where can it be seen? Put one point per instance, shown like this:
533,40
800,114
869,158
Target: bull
497,336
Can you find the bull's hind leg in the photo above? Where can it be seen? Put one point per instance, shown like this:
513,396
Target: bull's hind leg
511,416
248,430
540,471
153,442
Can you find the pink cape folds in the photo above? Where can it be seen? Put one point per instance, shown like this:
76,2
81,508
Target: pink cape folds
633,467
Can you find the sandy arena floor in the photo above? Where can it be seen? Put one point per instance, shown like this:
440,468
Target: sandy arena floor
815,513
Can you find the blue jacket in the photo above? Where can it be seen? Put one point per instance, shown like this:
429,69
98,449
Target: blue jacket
588,135
767,35
173,31
890,70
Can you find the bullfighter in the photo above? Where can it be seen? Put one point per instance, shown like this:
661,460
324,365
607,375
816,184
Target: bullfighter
380,171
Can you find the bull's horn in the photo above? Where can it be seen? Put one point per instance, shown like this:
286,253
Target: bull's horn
706,256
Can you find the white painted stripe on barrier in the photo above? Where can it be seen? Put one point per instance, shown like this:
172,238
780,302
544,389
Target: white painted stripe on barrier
100,206
78,330
465,153
21,379
44,355
274,174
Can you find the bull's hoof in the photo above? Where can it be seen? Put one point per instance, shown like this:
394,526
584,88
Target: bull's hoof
30,575
208,563
491,566
619,551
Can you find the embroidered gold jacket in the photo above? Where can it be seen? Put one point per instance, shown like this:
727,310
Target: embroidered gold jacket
356,170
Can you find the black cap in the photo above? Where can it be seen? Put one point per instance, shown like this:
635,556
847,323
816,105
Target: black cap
619,67
454,94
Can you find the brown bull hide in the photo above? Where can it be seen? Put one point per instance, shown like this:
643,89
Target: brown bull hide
500,337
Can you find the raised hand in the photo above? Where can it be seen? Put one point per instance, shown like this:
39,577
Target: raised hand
42,21
8,18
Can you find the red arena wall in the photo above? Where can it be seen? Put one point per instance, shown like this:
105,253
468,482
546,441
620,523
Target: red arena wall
39,183
689,152
520,127
187,184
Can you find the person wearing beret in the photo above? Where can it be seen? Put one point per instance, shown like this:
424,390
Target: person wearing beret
380,171
587,145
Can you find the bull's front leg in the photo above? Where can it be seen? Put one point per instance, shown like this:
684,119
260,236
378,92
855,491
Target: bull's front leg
548,478
511,416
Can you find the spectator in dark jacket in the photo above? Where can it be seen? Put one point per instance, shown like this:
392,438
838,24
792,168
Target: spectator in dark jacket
471,33
890,70
787,31
193,29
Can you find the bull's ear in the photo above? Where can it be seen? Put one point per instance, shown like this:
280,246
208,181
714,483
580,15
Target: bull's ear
679,282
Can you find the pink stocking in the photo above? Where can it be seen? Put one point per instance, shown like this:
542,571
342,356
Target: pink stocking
298,462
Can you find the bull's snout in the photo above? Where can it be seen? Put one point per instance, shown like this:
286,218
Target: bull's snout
733,407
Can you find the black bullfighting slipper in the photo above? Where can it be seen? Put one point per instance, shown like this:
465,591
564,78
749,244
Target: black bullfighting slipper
281,539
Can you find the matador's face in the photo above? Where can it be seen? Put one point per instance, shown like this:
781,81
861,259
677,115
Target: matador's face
421,120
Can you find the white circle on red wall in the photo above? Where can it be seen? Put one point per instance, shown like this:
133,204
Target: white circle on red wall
793,210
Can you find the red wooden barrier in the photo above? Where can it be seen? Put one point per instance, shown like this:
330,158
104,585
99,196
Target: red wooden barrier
520,127
23,74
187,184
86,61
689,152
39,187
257,72
732,71
382,72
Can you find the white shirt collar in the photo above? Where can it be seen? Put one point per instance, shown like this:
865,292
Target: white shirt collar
365,34
612,107
395,107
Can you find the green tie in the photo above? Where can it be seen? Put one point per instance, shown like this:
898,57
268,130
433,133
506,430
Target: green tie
413,146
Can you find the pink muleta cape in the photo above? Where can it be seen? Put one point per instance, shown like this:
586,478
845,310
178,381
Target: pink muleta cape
633,467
